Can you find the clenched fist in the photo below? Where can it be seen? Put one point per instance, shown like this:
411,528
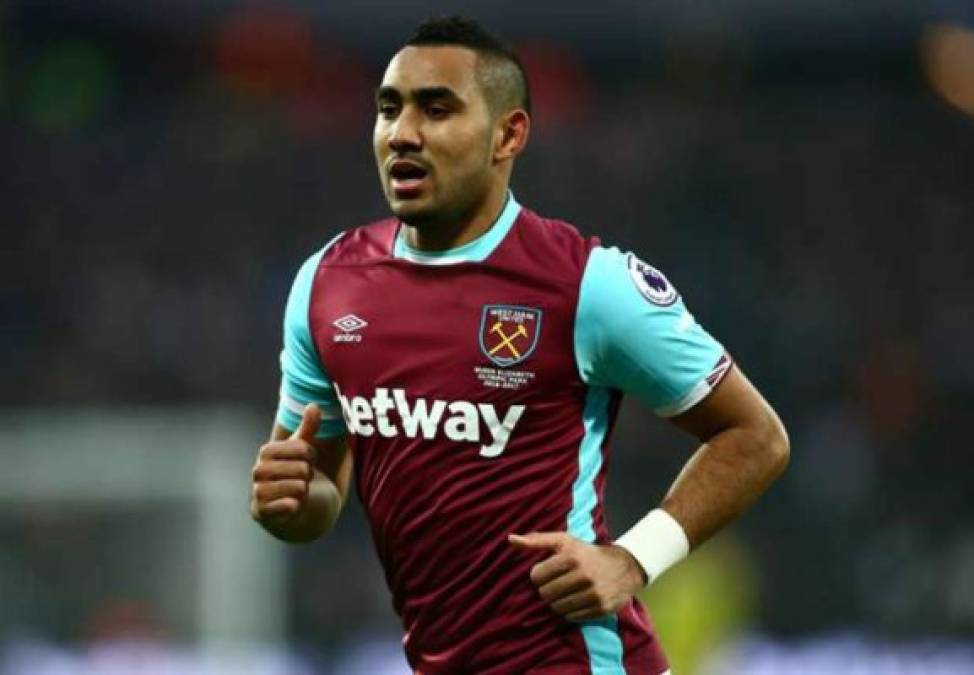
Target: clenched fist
283,472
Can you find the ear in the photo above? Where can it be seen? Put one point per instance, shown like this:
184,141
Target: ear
511,134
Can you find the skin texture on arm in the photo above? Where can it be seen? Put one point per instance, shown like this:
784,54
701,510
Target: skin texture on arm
743,448
299,483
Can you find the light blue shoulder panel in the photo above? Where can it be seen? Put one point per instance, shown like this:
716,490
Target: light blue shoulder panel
633,332
303,378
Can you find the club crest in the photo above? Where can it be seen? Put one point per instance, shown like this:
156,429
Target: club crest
509,334
651,283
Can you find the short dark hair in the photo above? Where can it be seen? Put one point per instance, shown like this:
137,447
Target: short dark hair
499,70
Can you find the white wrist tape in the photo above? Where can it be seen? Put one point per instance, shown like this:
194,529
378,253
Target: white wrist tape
656,542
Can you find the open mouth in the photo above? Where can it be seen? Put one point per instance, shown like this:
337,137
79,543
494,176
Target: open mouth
406,177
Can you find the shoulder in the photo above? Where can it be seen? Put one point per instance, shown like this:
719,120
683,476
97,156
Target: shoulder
554,240
355,246
362,244
614,278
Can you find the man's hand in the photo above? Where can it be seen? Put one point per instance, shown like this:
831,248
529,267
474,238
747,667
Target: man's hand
581,581
283,472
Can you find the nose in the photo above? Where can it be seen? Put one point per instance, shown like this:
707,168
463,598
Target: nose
404,135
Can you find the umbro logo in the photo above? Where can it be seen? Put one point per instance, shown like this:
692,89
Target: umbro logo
349,325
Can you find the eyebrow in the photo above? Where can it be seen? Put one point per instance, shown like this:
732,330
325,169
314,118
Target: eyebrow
422,95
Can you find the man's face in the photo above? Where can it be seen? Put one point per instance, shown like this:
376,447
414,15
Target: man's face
432,136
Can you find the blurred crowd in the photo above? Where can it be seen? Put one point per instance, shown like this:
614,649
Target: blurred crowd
155,212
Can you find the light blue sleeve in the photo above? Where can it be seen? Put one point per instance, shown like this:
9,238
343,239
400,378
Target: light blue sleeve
303,378
633,332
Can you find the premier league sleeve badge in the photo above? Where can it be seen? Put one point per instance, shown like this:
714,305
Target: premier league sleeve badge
651,283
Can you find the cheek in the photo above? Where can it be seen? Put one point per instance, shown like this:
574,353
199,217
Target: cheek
379,145
468,151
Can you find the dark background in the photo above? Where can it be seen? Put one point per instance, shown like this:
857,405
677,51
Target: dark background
804,173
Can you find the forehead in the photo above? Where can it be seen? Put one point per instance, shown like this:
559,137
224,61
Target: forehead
433,66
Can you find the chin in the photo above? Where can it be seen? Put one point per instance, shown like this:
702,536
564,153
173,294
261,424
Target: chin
413,211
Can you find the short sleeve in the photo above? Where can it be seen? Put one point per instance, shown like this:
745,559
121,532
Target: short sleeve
634,333
303,378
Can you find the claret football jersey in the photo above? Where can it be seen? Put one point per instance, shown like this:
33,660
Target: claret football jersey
478,389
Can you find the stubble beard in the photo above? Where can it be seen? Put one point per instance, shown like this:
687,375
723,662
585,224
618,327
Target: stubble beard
445,210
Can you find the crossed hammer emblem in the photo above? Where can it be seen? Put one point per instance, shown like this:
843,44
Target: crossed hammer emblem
507,340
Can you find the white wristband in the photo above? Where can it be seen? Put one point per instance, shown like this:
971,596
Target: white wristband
656,542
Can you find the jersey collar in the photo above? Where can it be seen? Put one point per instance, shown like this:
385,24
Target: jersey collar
473,251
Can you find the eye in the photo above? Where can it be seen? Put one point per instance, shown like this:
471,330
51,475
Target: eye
437,112
388,110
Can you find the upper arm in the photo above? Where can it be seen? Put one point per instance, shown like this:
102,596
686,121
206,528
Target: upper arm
303,377
734,403
634,333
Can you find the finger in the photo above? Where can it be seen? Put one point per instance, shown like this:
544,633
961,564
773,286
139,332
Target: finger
552,568
289,449
576,602
268,492
310,421
282,469
539,541
279,508
564,586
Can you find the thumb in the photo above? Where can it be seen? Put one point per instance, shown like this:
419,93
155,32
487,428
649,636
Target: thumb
310,421
539,541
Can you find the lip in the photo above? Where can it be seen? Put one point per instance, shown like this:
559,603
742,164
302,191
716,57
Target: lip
407,188
397,164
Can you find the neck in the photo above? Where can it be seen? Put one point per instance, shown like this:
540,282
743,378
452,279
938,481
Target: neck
458,230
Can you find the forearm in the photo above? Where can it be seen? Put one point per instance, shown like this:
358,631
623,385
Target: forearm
315,518
724,476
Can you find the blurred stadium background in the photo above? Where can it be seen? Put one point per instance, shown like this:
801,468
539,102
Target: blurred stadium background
804,172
